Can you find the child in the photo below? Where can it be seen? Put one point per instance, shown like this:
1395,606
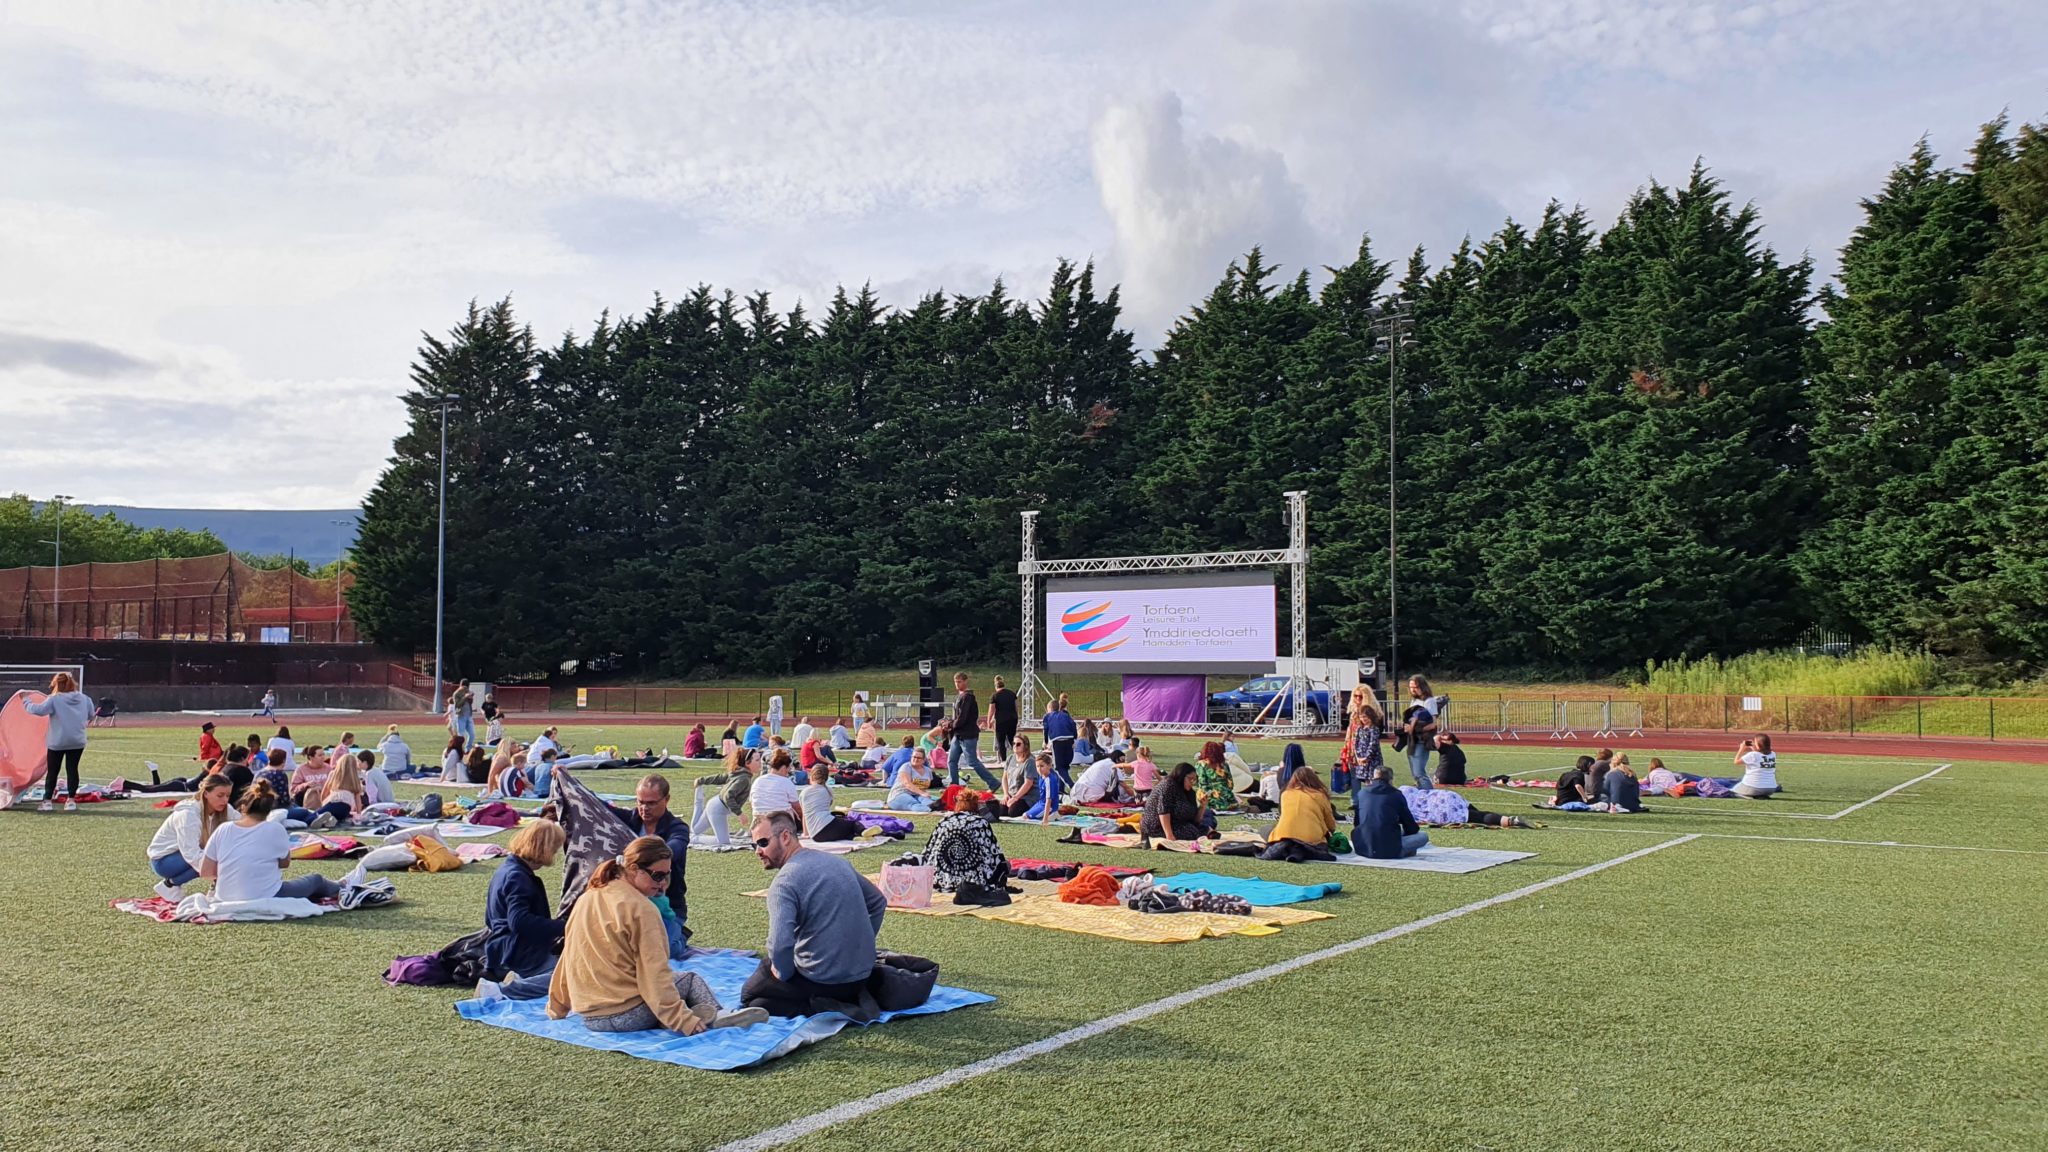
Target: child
1144,773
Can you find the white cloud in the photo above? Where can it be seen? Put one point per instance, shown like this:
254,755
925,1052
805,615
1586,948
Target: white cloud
1185,204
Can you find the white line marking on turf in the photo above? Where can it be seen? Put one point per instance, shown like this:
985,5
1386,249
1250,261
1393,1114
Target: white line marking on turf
1890,791
854,1109
1818,840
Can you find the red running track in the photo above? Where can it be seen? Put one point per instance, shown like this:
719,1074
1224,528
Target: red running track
365,724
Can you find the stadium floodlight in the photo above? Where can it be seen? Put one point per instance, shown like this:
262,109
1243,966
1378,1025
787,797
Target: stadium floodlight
57,569
445,401
340,550
1392,322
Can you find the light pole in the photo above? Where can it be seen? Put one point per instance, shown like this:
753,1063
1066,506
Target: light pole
1393,323
340,550
57,570
441,549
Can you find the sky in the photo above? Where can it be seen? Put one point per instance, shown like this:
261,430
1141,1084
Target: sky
224,226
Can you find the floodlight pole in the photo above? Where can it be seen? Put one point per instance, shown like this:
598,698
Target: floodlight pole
57,571
1027,572
441,553
1393,323
340,550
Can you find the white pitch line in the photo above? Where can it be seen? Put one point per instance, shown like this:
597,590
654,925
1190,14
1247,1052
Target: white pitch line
1817,840
1889,791
855,1109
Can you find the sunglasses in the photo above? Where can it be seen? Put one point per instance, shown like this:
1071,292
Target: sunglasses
763,841
659,874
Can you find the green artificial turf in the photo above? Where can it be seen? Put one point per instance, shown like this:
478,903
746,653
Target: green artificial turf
1721,993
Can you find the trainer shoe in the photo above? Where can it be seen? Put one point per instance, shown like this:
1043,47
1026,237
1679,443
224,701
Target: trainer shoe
489,990
323,822
740,1018
46,806
71,805
169,891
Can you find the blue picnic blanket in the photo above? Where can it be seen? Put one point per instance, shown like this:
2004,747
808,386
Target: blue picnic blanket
718,1049
1262,893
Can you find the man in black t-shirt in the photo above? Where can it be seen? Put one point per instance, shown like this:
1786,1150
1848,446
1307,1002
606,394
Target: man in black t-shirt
965,748
1002,718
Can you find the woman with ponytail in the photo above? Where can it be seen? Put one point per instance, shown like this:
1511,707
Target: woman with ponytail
246,859
614,968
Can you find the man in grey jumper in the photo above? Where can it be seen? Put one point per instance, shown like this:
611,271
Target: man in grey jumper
822,921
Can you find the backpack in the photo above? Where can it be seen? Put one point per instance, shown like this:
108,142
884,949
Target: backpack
463,957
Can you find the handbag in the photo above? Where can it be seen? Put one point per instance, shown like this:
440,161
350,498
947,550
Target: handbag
907,885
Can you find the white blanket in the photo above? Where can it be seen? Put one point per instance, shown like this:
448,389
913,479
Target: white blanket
1435,859
202,905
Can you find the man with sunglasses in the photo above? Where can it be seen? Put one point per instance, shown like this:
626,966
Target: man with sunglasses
649,816
822,920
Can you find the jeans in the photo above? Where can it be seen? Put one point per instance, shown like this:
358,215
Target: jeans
531,985
174,869
690,987
311,887
965,751
302,815
909,802
1414,842
1418,765
466,727
543,779
341,810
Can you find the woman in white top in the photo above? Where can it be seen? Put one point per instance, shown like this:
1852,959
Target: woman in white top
246,859
773,790
1759,768
283,740
397,754
69,711
451,761
178,848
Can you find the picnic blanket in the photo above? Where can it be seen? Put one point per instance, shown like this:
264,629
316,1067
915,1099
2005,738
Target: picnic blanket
204,908
1195,847
1263,893
1437,859
718,1049
1120,923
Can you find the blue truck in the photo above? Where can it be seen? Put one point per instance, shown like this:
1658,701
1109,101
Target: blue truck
1244,703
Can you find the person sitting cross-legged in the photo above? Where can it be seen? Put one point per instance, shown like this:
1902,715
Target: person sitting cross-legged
822,920
246,859
614,970
1386,828
821,823
912,788
523,940
1306,819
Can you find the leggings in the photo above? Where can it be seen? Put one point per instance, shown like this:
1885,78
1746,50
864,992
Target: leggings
67,759
310,887
174,784
838,828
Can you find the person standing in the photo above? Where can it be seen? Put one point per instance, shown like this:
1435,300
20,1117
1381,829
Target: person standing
69,711
965,748
1422,726
462,713
1361,756
1060,733
1002,715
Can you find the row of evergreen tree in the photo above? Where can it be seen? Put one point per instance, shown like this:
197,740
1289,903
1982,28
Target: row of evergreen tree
1613,446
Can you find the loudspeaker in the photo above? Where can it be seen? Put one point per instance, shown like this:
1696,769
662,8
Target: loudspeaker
931,706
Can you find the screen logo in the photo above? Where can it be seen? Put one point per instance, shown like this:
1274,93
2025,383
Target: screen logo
1082,625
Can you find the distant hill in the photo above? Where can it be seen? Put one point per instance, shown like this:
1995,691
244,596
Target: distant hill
306,532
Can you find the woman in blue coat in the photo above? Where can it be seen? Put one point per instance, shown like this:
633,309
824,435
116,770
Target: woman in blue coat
521,936
1060,733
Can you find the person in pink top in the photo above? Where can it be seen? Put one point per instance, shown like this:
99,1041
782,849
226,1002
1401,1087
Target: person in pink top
1144,773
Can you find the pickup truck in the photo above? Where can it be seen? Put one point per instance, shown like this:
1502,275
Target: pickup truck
1242,705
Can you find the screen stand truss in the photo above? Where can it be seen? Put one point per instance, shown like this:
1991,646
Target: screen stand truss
1294,558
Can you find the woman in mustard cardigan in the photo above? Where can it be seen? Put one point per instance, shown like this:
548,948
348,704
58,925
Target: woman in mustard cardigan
1306,820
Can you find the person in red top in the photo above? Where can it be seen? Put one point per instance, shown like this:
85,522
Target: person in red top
209,748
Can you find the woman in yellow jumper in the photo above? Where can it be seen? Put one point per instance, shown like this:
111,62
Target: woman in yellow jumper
614,969
1306,820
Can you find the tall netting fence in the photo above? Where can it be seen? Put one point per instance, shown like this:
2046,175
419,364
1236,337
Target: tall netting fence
197,598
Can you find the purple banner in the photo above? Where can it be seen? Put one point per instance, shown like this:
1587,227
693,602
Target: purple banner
1166,699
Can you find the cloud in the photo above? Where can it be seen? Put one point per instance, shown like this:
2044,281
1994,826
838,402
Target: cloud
1184,204
71,357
